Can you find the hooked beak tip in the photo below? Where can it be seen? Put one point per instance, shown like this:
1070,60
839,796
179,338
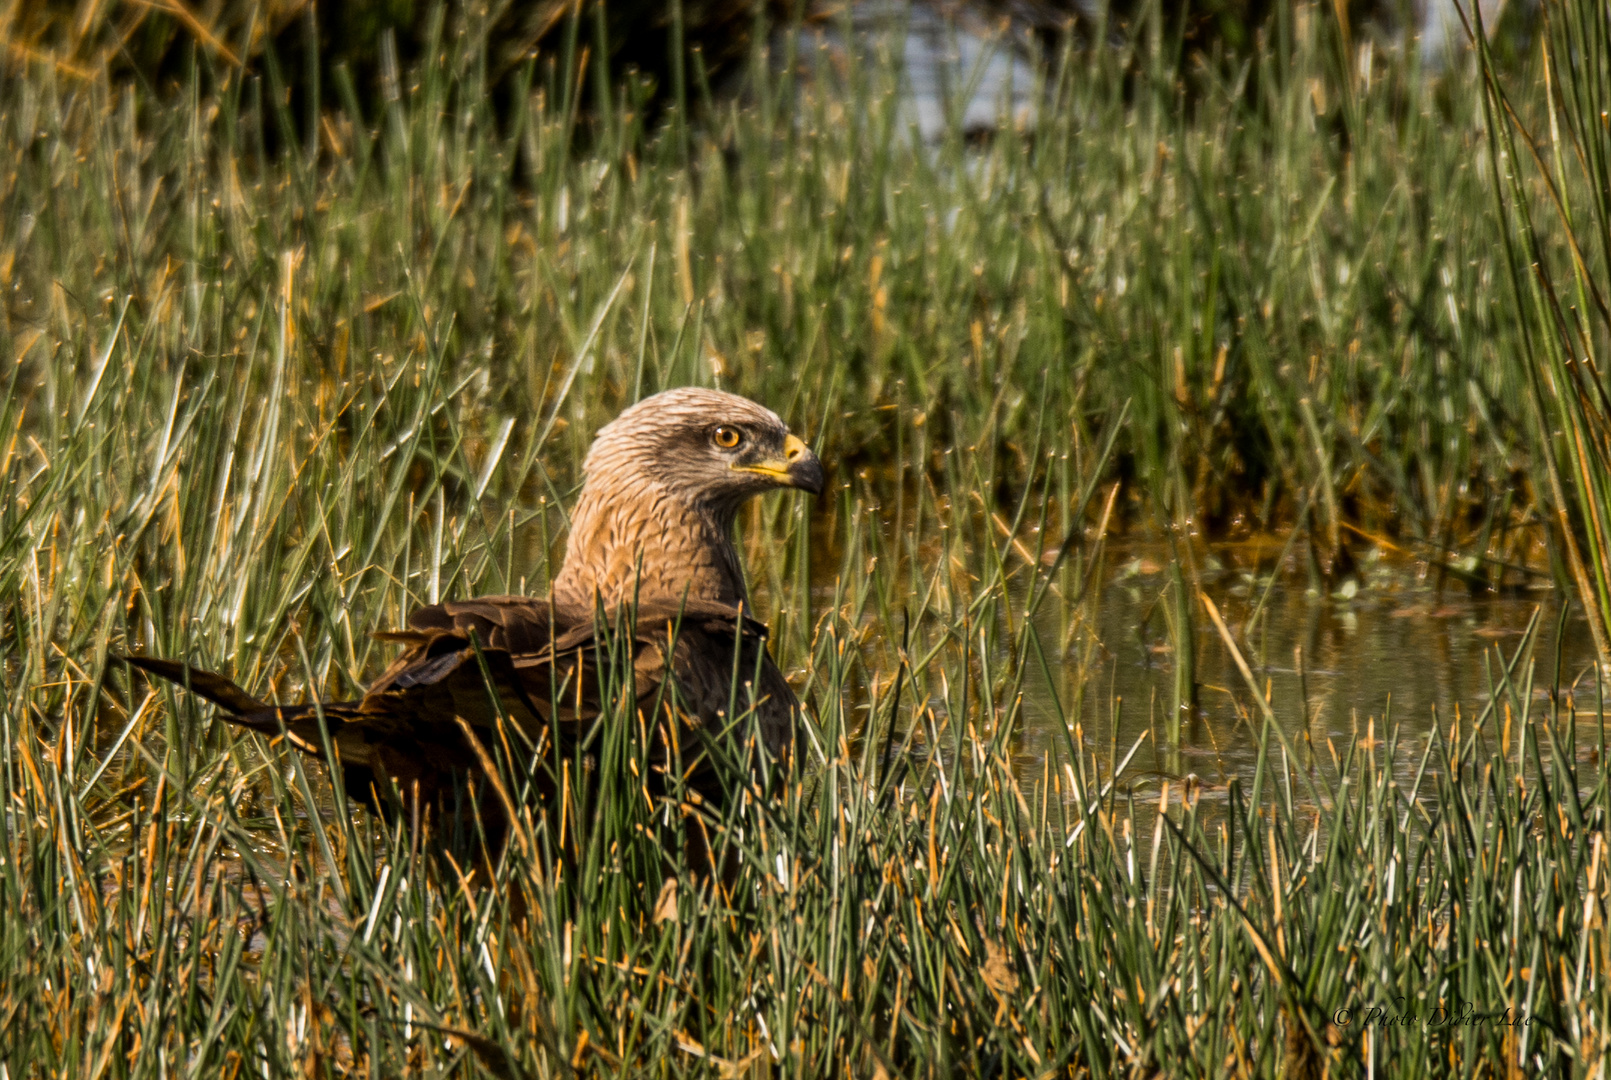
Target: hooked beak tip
804,470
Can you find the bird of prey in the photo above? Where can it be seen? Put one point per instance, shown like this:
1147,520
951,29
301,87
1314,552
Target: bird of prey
651,591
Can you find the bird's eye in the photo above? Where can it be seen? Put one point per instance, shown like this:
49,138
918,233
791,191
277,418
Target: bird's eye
726,437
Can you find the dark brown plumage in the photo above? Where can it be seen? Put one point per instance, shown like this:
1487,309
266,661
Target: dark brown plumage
650,548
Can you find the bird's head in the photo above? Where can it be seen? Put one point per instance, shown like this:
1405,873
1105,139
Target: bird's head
704,448
663,482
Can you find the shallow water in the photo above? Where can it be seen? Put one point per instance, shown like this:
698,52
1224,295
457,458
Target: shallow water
971,66
1401,647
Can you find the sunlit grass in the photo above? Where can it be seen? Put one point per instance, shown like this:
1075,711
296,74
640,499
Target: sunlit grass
263,401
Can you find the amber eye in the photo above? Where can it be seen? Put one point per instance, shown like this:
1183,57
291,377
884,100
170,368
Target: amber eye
726,437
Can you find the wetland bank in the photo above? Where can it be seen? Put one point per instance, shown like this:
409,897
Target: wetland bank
274,383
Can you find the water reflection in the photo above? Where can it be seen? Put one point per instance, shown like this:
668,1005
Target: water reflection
1334,668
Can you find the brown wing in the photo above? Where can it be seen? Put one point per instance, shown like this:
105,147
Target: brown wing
544,665
723,673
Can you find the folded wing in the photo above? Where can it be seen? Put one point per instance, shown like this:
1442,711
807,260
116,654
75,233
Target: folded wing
549,670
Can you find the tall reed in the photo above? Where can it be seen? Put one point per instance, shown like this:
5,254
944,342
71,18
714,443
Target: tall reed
1551,162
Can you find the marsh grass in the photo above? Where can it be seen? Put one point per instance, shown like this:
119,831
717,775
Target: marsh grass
935,911
1552,181
268,393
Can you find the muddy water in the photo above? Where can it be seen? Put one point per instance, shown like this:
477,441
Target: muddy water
1401,647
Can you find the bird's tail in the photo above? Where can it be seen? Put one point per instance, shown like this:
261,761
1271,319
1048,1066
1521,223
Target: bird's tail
210,685
244,709
370,768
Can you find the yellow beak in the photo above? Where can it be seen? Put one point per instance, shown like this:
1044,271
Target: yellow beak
797,468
